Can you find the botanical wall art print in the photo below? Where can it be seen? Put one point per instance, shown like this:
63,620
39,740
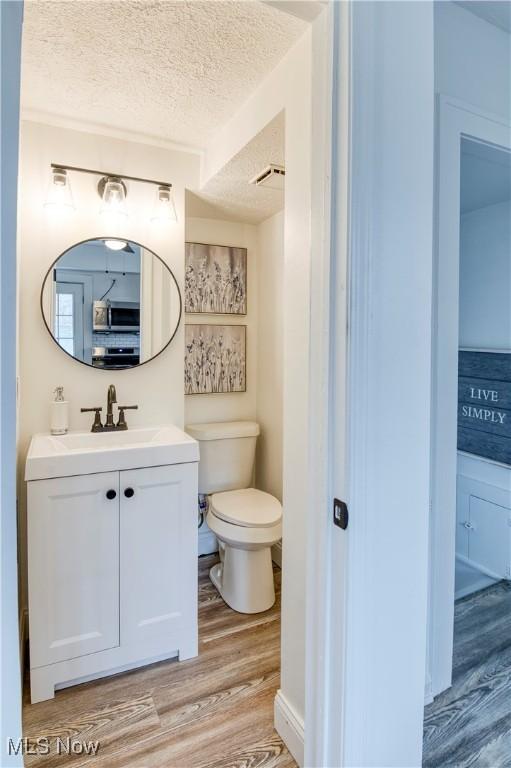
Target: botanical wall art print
215,359
215,279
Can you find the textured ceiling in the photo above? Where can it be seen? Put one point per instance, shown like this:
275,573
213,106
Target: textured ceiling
229,194
170,70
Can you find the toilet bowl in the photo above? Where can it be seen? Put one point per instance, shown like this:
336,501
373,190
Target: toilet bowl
247,523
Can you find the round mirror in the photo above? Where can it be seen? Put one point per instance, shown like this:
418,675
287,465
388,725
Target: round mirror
111,303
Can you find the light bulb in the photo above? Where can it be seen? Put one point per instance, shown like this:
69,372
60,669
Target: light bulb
164,210
59,195
115,245
113,197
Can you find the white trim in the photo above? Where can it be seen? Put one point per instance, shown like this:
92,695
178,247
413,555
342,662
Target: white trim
478,567
69,123
482,349
456,119
11,21
290,727
326,556
364,706
389,379
484,459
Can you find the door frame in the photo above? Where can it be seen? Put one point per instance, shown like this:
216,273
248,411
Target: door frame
76,289
86,280
456,120
327,553
370,392
11,20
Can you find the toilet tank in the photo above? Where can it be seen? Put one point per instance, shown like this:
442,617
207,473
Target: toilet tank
227,454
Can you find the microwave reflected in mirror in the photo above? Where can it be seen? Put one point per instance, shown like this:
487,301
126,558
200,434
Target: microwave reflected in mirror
111,303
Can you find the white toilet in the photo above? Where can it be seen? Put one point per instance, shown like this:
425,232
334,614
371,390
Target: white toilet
246,522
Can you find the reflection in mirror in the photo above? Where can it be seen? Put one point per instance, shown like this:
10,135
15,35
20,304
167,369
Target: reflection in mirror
111,303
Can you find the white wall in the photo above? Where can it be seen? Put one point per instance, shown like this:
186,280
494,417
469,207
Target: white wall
270,296
472,59
262,401
391,217
485,278
10,706
288,88
157,387
232,406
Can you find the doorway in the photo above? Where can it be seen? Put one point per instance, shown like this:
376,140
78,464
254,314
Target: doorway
469,669
69,317
87,151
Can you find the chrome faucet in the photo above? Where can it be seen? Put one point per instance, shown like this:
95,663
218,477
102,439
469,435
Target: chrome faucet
110,425
110,400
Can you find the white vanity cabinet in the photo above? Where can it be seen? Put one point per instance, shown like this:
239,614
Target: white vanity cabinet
73,555
483,516
112,561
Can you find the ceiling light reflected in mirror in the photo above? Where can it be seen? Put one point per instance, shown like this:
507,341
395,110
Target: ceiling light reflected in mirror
115,245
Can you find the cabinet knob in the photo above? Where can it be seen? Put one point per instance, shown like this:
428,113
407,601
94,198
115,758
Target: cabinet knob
111,494
129,492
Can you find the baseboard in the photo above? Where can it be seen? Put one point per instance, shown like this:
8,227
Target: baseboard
276,553
23,637
289,725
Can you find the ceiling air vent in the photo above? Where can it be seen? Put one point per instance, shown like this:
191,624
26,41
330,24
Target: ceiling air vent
272,177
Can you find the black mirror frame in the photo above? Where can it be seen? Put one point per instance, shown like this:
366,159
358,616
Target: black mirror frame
82,362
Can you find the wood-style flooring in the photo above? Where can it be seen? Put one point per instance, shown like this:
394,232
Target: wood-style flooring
469,725
215,711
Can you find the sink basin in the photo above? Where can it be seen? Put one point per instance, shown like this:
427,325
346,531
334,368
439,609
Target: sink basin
90,441
85,453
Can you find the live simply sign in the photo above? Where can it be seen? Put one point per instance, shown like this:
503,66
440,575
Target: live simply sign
484,405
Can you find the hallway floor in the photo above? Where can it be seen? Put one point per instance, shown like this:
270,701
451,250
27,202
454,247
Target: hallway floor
215,711
469,725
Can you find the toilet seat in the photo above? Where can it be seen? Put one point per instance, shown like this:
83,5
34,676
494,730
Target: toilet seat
247,508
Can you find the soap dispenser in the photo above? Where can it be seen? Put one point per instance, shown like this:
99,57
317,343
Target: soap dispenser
59,422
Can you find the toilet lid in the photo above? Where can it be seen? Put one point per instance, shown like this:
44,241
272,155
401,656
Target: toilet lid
248,507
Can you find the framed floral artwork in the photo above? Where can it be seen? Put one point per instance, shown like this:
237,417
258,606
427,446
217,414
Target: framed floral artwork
215,279
215,359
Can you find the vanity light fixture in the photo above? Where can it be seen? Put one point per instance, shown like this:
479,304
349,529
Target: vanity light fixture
59,195
164,210
112,190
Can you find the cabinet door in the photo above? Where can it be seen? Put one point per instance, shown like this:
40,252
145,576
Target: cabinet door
73,566
490,539
158,552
